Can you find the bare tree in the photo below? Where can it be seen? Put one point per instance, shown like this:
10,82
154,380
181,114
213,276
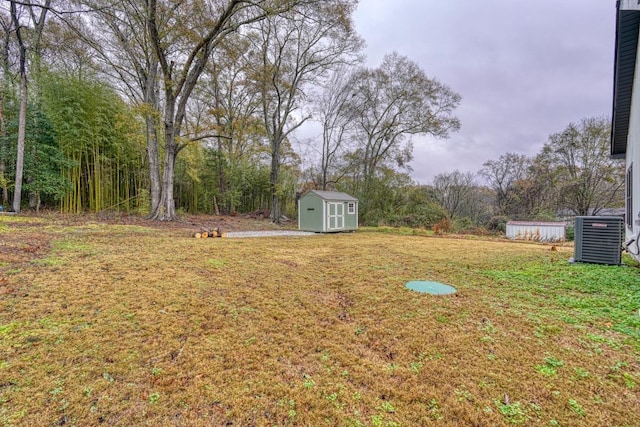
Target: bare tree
183,52
231,118
394,101
295,50
176,41
502,176
454,191
334,113
22,120
37,14
535,195
589,180
6,24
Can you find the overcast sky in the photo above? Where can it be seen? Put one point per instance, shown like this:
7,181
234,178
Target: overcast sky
524,69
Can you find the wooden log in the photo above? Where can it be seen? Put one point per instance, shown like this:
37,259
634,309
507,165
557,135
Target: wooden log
197,235
204,235
213,233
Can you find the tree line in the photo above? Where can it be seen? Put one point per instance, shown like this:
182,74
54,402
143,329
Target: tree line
162,107
572,175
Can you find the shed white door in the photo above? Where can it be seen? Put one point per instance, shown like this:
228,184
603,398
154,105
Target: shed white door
336,216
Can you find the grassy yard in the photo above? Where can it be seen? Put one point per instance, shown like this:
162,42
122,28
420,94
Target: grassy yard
112,324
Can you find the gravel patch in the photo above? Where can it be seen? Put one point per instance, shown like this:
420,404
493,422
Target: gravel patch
271,233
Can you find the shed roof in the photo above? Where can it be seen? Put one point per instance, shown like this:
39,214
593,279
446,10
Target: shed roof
626,48
537,223
333,195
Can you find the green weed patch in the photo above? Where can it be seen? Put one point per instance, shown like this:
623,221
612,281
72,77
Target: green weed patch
605,296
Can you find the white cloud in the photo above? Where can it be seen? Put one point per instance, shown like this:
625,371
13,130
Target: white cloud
525,70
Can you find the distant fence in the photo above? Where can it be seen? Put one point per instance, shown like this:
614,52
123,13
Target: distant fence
536,231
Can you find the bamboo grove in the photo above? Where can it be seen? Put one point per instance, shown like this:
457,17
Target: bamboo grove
85,151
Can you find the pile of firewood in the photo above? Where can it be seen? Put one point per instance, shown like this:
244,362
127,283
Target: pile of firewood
214,232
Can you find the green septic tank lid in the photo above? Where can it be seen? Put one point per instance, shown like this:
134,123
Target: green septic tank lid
433,288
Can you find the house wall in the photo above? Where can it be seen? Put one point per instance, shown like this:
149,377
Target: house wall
633,158
350,220
311,213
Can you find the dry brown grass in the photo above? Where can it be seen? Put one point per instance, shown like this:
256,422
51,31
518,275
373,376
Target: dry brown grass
119,325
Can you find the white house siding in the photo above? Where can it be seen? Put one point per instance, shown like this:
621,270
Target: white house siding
629,5
633,158
537,231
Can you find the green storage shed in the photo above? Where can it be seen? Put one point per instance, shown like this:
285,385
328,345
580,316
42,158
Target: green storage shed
327,212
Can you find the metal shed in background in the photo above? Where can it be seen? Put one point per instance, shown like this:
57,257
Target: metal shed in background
537,231
327,211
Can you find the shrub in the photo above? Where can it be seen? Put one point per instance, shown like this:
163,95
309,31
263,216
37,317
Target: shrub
461,225
443,226
570,233
498,223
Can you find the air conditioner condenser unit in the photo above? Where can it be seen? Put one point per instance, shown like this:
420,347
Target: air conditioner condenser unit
598,239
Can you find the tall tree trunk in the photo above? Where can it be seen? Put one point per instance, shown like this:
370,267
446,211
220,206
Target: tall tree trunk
22,118
151,99
154,163
3,150
274,181
22,124
4,144
38,23
221,172
166,210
